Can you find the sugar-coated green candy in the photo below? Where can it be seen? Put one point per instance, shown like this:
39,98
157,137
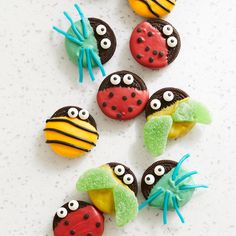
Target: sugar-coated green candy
126,205
156,133
192,111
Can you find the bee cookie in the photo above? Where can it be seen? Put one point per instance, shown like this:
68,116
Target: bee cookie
112,188
171,114
152,8
78,218
167,186
90,42
123,95
71,132
155,43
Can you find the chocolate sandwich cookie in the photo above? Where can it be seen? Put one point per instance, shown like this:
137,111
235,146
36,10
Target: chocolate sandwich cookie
112,188
155,43
152,8
171,114
78,218
90,42
167,186
122,95
71,132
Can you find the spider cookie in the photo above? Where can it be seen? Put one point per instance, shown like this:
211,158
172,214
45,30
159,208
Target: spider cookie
90,42
78,218
152,8
112,189
71,132
155,43
122,95
167,186
171,114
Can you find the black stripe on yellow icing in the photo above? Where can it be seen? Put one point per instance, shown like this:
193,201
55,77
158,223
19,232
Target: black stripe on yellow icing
149,7
71,123
170,2
67,144
160,5
69,135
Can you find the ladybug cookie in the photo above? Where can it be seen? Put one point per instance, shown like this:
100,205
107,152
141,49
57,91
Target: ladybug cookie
78,218
155,43
122,95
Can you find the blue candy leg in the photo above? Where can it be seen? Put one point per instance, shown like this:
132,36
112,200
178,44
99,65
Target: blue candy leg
98,62
85,31
176,171
80,65
90,69
165,207
181,179
188,187
175,203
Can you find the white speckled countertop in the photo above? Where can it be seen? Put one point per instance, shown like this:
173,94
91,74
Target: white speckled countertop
37,78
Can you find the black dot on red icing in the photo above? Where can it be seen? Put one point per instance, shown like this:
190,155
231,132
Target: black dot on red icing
139,102
151,59
139,56
155,52
113,108
86,216
124,98
98,224
72,232
140,40
133,94
104,104
147,49
150,34
130,109
89,234
161,54
139,30
66,222
119,115
111,94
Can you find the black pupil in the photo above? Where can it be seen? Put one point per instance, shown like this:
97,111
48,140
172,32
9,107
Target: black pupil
128,179
102,29
168,28
72,113
172,41
119,170
169,94
148,178
84,113
159,169
105,43
62,212
155,104
72,204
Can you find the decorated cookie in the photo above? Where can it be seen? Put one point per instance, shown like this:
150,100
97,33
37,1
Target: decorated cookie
167,186
71,132
78,218
89,43
152,8
155,43
112,189
122,95
171,114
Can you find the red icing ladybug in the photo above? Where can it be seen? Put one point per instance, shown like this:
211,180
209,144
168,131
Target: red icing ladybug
122,95
78,218
155,43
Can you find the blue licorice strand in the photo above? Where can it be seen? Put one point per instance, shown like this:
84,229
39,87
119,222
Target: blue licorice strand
88,59
85,31
176,170
188,187
80,65
150,199
68,36
175,203
181,179
165,207
73,26
98,61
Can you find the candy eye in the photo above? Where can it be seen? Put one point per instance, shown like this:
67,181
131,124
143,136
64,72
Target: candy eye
73,205
105,43
72,112
172,41
115,79
155,104
128,79
62,212
167,30
101,29
159,170
128,179
149,179
83,114
168,96
119,170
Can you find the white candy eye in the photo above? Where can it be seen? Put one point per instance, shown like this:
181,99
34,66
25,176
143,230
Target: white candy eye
73,205
115,79
83,114
167,30
149,179
101,29
105,43
172,41
159,170
119,170
72,112
128,79
128,179
62,212
155,104
168,96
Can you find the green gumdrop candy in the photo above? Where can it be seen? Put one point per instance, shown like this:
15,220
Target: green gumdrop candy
192,111
94,179
156,133
126,205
